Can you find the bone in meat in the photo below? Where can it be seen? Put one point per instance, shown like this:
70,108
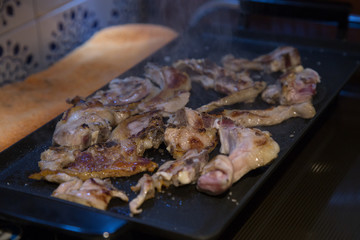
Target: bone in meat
248,149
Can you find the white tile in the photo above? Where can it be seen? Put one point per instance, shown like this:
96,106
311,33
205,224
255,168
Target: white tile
44,6
14,13
19,53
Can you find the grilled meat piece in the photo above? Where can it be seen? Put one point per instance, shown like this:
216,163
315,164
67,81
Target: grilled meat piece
119,156
272,93
93,192
56,158
247,148
244,95
189,129
233,64
270,116
182,171
124,91
100,161
281,59
295,87
147,191
145,130
118,160
210,75
174,94
84,124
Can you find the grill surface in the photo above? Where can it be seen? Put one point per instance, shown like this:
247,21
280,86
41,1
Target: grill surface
195,215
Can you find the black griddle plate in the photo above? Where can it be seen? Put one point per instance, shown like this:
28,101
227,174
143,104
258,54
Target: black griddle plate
178,212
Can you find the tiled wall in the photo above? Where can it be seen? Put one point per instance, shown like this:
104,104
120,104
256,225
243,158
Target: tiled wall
36,33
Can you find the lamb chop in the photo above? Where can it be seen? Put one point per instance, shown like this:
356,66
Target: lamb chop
293,87
189,129
248,149
179,172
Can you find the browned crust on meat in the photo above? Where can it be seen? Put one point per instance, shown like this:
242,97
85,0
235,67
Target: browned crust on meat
122,169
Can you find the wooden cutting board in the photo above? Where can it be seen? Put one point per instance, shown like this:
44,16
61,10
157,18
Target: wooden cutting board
26,106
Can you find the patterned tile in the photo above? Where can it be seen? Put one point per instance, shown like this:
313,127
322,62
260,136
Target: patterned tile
19,55
14,13
67,27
